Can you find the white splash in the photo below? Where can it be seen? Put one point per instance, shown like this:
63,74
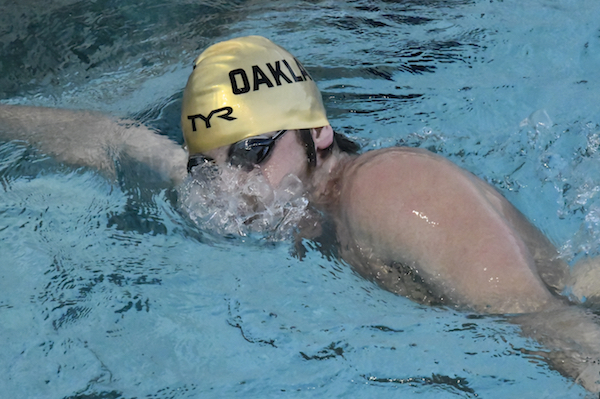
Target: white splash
227,201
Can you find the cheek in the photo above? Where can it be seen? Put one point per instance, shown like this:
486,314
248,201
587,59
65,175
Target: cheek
276,169
286,159
272,174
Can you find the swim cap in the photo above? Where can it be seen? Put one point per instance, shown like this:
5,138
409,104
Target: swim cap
245,87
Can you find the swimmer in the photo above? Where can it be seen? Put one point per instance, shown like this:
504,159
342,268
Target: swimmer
405,218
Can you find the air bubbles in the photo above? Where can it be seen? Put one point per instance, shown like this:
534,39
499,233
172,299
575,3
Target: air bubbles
537,120
229,202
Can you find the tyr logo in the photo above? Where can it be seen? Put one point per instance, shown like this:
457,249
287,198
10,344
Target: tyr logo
226,115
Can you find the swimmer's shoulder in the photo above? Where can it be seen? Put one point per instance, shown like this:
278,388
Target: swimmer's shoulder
377,182
385,162
374,180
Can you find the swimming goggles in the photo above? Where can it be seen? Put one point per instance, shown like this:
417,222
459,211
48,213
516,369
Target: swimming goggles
245,154
252,151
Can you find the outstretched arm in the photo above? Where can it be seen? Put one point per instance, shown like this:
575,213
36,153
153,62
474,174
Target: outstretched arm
87,138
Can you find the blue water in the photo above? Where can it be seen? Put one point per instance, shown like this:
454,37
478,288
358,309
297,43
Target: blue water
108,291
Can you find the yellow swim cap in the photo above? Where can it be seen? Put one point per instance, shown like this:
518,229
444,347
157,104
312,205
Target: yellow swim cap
245,87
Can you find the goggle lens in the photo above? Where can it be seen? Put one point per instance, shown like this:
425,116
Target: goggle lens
252,151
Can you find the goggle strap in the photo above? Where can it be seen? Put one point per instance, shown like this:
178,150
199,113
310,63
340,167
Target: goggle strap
309,147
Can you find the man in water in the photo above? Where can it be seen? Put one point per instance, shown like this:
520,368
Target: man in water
405,218
408,219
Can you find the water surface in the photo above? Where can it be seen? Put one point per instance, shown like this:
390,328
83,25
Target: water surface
108,291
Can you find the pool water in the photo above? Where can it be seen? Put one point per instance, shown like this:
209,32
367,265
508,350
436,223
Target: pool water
108,290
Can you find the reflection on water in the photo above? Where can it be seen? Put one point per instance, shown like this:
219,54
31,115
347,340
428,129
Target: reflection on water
68,43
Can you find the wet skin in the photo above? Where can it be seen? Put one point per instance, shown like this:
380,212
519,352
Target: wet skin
466,242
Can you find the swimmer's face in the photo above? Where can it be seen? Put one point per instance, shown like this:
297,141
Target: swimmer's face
273,155
265,197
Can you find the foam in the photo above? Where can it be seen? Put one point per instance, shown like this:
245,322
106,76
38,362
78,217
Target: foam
229,202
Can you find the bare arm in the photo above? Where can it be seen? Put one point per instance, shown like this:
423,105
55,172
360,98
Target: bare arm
92,139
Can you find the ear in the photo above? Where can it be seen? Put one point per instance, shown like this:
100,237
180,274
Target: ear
322,136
